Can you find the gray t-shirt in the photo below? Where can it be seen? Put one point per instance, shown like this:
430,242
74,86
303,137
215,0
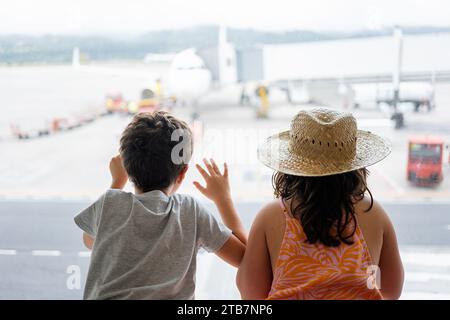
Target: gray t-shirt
146,245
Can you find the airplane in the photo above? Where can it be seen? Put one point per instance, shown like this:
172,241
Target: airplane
188,77
184,82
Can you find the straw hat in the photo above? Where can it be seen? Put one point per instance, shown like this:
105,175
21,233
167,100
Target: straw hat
322,142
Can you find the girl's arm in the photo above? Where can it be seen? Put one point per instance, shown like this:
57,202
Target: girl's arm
391,267
254,277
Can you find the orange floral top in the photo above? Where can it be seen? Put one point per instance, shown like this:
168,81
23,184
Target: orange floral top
314,271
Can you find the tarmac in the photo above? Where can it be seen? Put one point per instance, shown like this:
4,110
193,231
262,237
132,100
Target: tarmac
42,255
47,180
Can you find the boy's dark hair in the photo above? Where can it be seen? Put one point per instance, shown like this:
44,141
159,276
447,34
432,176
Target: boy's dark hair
153,155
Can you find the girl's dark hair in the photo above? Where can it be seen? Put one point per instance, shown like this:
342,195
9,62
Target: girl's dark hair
324,205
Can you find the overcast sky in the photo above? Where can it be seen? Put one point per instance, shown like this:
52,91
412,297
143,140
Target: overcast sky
137,16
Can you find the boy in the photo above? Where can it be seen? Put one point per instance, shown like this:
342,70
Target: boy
144,245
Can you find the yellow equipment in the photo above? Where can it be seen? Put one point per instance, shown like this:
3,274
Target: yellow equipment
263,95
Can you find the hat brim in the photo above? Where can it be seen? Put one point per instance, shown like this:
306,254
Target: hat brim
275,154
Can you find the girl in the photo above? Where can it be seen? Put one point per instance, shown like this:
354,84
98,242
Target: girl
324,237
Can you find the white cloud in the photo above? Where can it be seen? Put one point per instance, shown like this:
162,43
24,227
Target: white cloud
123,16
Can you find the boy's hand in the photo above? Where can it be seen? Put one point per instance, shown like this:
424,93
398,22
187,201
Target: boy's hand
217,186
118,173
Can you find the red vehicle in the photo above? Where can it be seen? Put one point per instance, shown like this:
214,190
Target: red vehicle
425,158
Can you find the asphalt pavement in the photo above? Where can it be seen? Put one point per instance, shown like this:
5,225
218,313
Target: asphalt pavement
42,255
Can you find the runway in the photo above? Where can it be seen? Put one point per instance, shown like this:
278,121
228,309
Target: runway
41,251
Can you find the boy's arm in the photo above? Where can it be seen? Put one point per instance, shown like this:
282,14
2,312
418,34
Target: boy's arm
119,179
231,218
232,251
217,189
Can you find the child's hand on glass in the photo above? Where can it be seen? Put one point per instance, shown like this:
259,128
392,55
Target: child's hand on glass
217,186
118,173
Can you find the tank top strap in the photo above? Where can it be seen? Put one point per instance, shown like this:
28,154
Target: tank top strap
283,207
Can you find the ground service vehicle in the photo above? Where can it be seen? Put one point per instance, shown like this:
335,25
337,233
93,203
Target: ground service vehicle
425,158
